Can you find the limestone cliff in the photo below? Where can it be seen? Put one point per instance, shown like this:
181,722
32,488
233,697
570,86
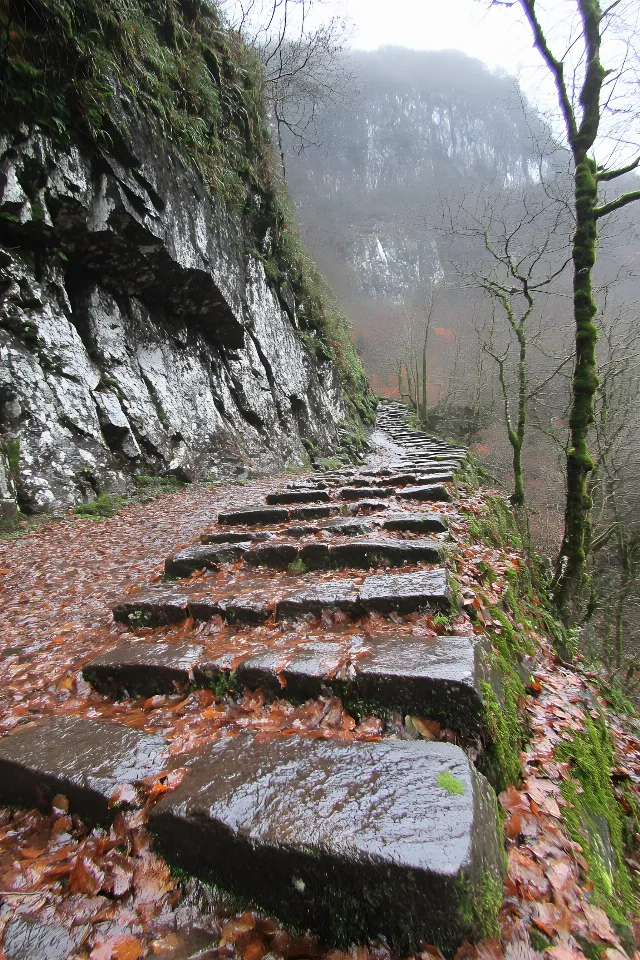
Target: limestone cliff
139,332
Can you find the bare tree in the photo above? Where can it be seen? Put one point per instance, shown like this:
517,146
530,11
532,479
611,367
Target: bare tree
411,358
302,60
615,556
520,232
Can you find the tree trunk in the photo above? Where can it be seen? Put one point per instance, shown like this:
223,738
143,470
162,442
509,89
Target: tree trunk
423,411
517,498
570,572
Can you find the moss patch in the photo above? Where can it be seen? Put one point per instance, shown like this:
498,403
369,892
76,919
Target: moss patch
450,783
105,505
593,810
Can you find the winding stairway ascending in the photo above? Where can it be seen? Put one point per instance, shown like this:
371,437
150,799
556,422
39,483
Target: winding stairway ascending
394,837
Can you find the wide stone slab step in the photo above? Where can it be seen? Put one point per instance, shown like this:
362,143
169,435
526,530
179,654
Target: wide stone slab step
322,555
404,593
352,840
430,492
251,516
204,557
85,760
236,536
416,522
298,496
439,678
143,669
263,515
359,493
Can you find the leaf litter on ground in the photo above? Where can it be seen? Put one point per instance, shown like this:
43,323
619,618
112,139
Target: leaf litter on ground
58,584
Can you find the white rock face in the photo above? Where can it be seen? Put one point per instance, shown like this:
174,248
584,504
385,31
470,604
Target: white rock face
136,335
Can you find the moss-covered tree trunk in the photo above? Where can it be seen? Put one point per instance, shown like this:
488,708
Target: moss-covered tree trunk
581,115
577,528
423,408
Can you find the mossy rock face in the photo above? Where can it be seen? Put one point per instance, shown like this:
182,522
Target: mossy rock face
596,820
97,70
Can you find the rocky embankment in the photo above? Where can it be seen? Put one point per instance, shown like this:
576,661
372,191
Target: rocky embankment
136,334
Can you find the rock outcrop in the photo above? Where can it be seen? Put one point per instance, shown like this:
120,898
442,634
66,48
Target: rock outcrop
137,333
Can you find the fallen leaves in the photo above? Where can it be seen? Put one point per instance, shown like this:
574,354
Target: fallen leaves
59,585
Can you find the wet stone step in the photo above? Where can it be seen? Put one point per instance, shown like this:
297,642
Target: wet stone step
347,526
264,515
254,515
357,493
431,479
416,522
403,593
231,536
430,492
355,553
340,829
298,496
368,506
83,759
313,512
306,485
155,607
344,526
438,678
137,669
406,592
333,596
204,557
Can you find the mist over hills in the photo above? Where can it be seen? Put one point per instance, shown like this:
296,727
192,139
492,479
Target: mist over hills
417,126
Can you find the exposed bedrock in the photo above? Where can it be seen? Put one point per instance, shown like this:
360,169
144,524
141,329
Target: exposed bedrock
138,331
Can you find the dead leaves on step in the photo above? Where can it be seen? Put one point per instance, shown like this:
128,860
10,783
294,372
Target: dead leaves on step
110,886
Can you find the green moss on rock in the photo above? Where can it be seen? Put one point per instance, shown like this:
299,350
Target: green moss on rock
595,818
95,69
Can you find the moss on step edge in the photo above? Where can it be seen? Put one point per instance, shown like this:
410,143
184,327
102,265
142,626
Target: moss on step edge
93,69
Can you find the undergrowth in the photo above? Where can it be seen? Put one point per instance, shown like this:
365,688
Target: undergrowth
593,810
604,827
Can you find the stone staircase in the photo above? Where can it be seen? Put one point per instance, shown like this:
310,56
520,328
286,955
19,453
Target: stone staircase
396,836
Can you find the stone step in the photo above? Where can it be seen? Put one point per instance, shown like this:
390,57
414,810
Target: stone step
252,516
439,678
404,593
298,496
281,553
86,760
204,557
341,831
322,555
143,669
416,522
232,536
358,493
430,492
306,485
265,515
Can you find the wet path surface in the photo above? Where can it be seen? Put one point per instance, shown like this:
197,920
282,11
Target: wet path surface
306,703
